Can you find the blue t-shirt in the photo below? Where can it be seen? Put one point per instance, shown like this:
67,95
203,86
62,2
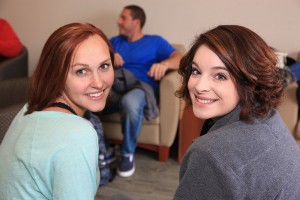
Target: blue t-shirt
140,55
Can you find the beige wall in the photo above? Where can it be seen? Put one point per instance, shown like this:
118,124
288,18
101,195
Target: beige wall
277,21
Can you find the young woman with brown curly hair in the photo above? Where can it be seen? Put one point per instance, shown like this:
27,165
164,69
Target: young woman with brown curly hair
229,77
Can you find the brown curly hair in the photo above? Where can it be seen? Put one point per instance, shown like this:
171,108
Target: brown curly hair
250,62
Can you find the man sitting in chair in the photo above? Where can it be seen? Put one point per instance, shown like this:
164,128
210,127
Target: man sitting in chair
147,57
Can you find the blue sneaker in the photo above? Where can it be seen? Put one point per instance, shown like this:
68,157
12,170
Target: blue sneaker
110,155
127,166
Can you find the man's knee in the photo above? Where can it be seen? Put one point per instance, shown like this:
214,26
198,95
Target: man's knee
133,100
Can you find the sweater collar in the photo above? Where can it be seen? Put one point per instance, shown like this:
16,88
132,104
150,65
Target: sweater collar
229,118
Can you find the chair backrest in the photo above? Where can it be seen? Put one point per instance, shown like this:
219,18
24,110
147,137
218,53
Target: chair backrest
288,109
13,91
15,67
179,47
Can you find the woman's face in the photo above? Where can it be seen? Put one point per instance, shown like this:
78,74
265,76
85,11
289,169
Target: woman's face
90,77
212,90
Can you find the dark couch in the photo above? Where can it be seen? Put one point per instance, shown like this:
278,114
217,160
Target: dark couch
13,88
14,96
15,67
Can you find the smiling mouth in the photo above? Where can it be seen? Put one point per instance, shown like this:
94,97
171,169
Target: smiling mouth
98,94
205,101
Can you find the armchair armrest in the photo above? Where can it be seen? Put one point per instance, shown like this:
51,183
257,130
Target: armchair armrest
288,110
13,91
15,67
169,108
13,97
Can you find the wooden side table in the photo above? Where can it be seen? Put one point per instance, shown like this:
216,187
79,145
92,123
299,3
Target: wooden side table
189,129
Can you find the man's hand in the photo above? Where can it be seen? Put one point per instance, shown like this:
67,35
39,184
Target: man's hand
157,71
119,62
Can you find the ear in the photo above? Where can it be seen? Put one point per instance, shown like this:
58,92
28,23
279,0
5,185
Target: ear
137,22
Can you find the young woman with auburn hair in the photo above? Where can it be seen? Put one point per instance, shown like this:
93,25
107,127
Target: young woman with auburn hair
53,66
50,151
230,79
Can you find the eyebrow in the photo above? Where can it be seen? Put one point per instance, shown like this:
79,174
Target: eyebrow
85,65
215,67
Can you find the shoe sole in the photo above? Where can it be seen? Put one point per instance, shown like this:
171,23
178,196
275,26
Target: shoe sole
126,173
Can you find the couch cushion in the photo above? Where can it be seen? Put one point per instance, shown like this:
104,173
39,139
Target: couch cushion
6,117
13,91
115,117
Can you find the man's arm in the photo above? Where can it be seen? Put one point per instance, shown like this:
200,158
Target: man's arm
119,62
158,70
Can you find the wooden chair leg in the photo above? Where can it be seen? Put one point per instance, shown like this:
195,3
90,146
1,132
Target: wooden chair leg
163,153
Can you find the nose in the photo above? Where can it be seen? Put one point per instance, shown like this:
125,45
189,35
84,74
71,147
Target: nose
203,84
119,21
96,81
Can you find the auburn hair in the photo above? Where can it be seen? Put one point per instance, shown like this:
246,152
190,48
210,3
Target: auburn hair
50,75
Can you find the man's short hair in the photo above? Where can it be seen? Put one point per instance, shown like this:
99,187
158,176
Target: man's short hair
137,13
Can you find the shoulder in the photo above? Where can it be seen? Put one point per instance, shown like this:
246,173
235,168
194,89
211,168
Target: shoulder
239,143
77,128
236,138
240,135
63,128
157,38
160,43
117,38
68,131
77,134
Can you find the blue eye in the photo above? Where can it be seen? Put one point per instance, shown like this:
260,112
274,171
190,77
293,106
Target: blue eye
81,72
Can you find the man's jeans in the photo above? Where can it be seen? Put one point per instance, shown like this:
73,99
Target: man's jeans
295,68
132,114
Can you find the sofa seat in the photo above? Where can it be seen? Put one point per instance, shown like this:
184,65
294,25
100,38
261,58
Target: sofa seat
150,134
115,117
151,127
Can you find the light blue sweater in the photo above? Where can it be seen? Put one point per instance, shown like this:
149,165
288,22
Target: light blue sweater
49,155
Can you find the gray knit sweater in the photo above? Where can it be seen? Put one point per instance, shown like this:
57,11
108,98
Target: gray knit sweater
236,160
